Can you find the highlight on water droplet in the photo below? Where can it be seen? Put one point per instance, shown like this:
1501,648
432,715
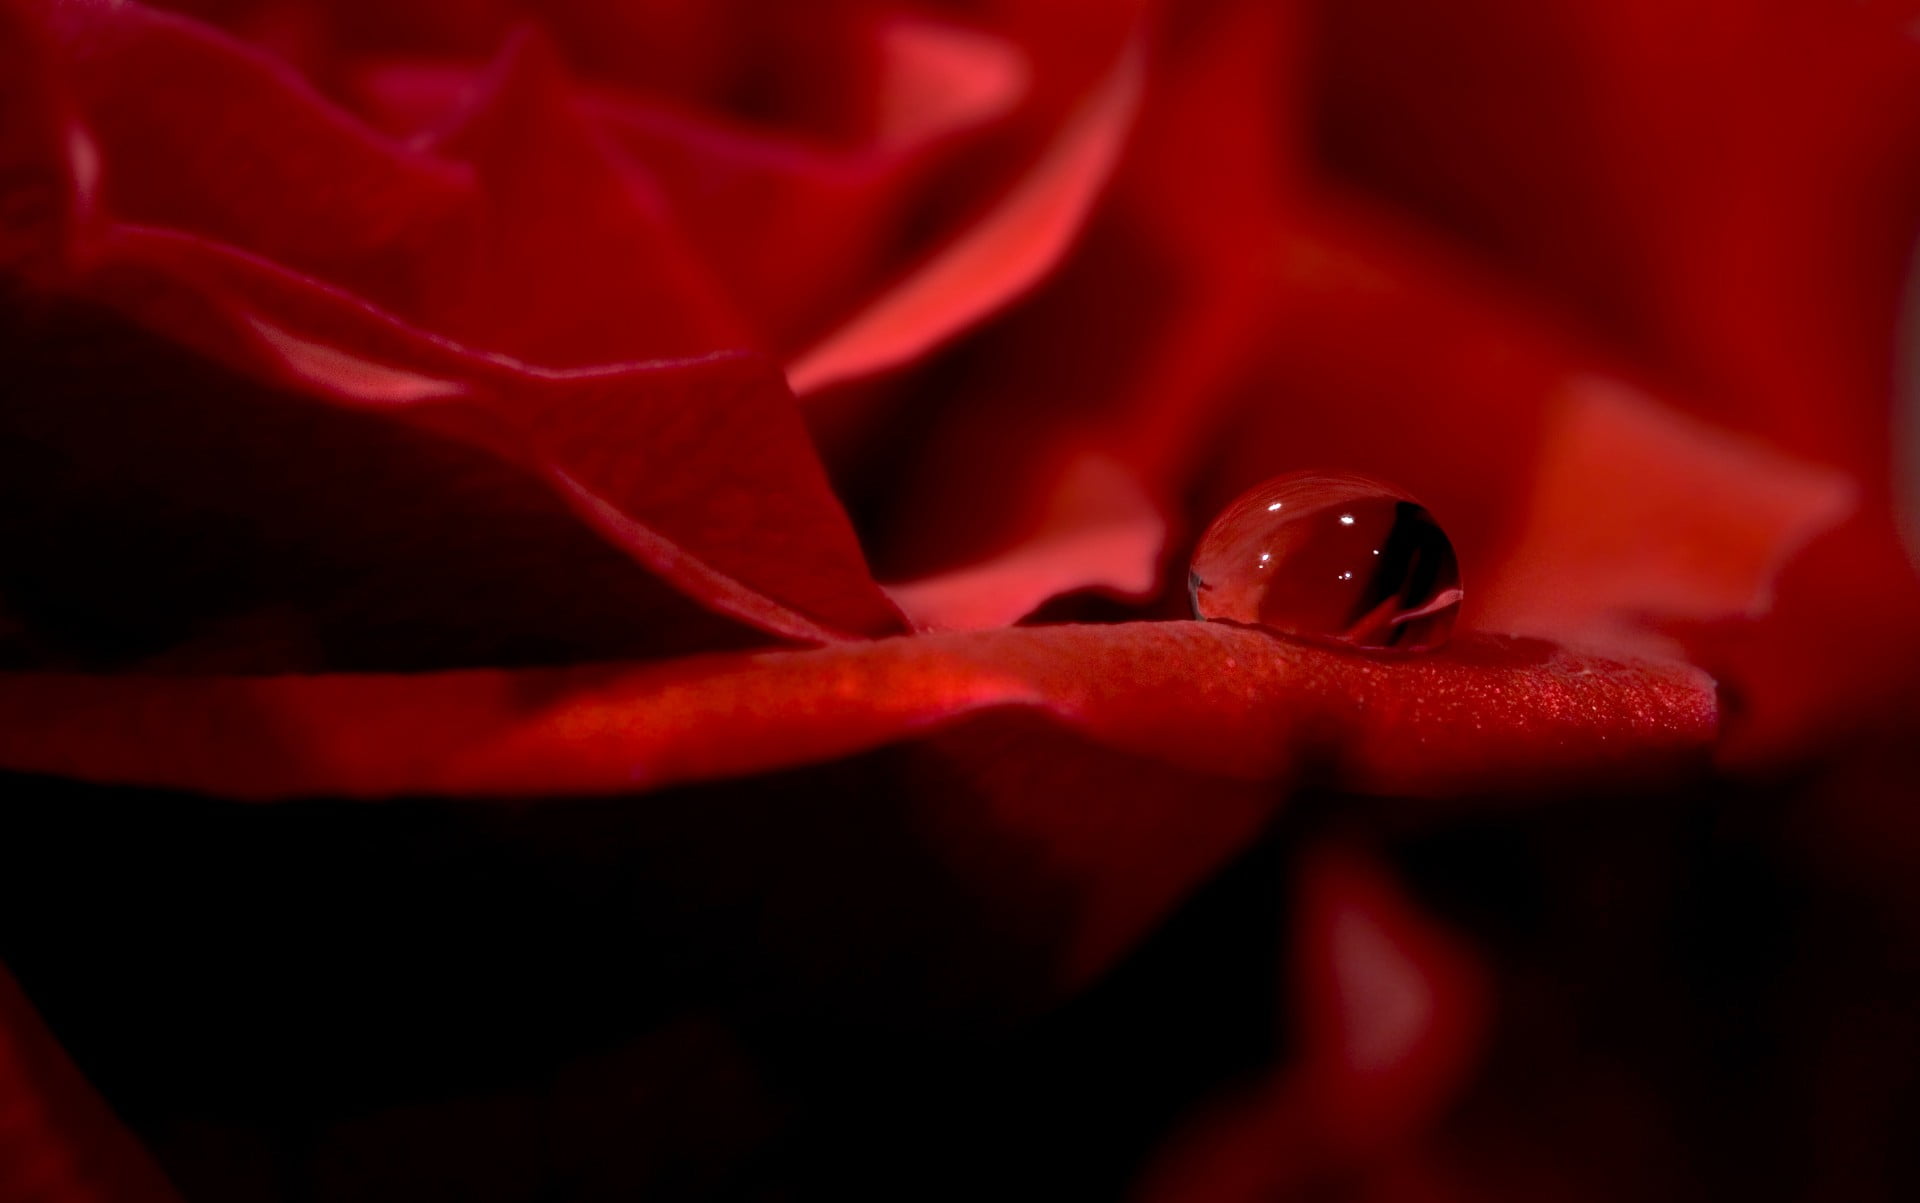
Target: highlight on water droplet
1330,556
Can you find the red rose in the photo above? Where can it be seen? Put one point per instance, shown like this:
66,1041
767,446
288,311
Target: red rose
457,741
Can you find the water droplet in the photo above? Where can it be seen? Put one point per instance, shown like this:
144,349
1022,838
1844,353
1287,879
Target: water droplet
1330,556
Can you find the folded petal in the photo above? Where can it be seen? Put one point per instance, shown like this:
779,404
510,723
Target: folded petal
711,483
998,257
436,508
245,153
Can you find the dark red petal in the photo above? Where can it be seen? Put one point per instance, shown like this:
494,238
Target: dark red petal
699,469
703,471
59,1142
521,235
45,154
1835,656
1072,781
1391,1012
344,513
1393,1007
732,508
1227,124
244,152
574,261
807,235
162,512
838,76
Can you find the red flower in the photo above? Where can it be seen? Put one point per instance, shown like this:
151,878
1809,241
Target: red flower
455,732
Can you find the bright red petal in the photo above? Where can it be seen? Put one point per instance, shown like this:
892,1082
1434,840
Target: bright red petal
1211,699
999,256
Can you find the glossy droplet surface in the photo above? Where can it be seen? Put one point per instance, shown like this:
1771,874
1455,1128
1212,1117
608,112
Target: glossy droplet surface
1332,557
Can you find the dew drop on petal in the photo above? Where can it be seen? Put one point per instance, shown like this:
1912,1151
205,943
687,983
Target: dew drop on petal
1330,556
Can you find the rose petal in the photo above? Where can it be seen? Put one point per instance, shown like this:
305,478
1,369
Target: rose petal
794,233
1391,1011
936,79
1211,382
161,511
288,177
1759,273
744,521
43,186
59,1142
804,233
611,281
401,546
712,456
441,234
1117,558
1146,319
1836,654
1393,1007
1099,531
1642,516
1137,315
999,257
1070,782
1449,408
1215,59
743,430
1208,698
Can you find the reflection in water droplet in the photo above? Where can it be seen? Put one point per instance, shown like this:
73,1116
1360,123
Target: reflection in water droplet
1330,556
